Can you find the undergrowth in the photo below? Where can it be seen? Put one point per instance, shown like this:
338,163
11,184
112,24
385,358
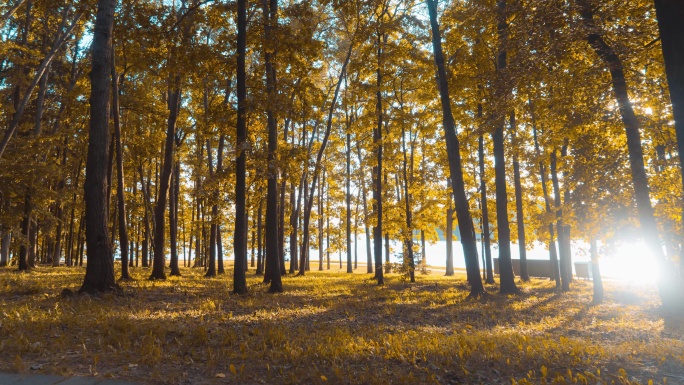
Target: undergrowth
333,327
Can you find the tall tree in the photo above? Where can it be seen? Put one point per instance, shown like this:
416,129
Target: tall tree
100,267
455,167
670,294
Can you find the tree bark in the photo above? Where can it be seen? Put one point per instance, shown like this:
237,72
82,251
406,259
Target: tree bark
553,255
520,217
670,14
596,273
378,173
668,287
99,275
562,262
485,211
120,197
159,261
454,156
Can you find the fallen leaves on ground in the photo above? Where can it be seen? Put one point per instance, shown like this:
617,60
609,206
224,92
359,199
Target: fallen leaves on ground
337,328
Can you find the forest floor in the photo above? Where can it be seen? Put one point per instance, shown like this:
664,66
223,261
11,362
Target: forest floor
331,327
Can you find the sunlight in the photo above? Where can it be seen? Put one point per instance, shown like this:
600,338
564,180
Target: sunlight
631,262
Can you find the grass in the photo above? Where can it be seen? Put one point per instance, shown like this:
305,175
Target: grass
332,327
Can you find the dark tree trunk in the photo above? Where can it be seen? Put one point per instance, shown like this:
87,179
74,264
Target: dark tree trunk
100,267
270,11
455,167
506,277
294,217
348,198
670,290
378,172
4,248
670,14
213,229
553,256
520,217
219,245
485,211
366,218
321,214
159,260
25,232
260,237
449,238
565,282
59,213
120,198
596,274
173,220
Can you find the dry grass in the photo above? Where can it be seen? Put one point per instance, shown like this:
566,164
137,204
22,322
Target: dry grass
336,328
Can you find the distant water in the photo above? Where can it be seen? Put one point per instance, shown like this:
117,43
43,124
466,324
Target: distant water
630,264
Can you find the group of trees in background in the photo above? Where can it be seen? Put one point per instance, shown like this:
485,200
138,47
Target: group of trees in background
189,128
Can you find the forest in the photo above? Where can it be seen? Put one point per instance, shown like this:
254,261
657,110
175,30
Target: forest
210,191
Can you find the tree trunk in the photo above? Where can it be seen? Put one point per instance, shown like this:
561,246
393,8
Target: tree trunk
100,268
159,261
668,287
520,217
378,172
565,282
506,277
173,219
308,201
485,211
270,11
449,236
454,156
321,214
217,220
348,197
120,198
25,232
4,248
553,256
260,255
596,274
670,13
366,216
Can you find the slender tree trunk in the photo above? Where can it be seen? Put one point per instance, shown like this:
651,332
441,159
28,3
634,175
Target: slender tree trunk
294,216
260,258
25,232
173,220
321,213
448,236
565,282
485,211
219,245
553,256
455,167
520,217
378,172
308,201
366,216
120,198
596,273
159,261
100,268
